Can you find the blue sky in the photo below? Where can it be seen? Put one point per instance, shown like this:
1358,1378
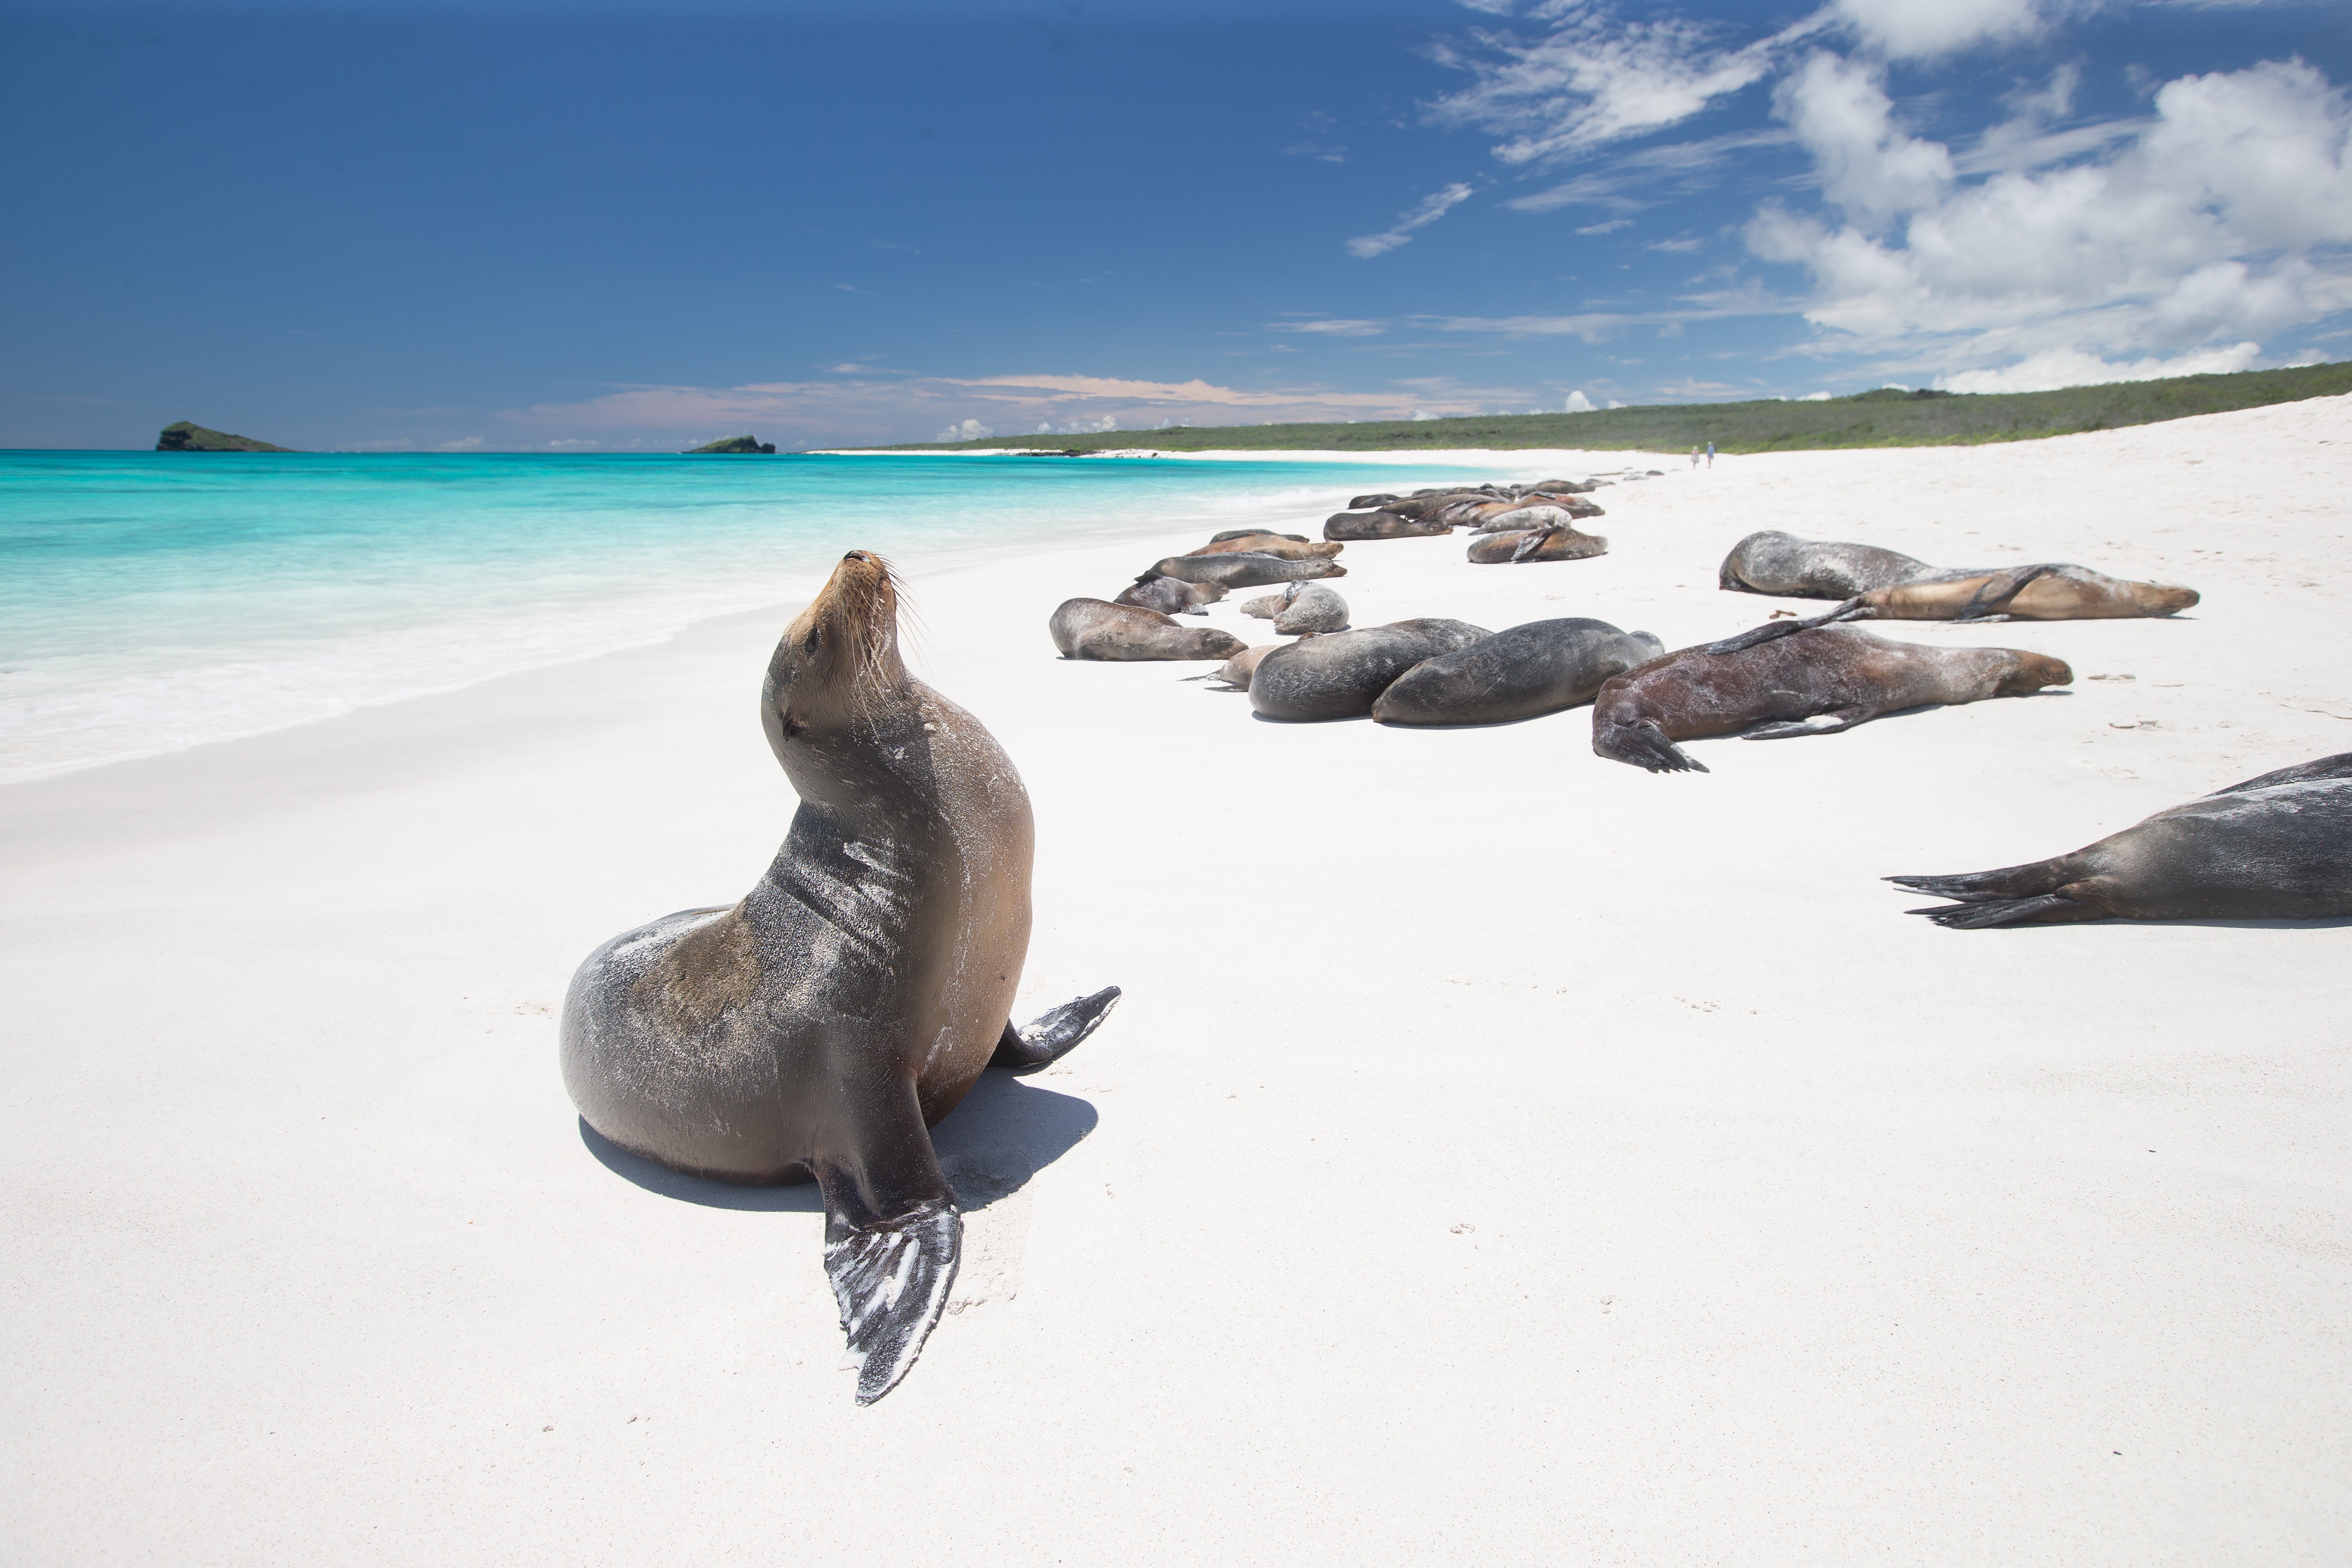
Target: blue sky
523,226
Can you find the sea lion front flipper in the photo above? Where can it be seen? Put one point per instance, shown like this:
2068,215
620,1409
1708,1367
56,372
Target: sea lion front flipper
1054,1034
1828,723
892,1234
1533,541
1997,592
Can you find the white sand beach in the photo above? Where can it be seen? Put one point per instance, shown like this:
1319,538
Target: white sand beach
1500,1155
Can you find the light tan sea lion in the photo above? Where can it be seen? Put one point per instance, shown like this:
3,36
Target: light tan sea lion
1091,628
1276,544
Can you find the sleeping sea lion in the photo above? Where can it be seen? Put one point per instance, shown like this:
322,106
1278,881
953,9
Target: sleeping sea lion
1243,571
1168,596
1314,608
1278,544
1265,606
1885,585
1360,525
1792,680
1089,628
823,1024
1783,564
1237,671
2274,848
1341,675
1245,533
1521,671
1552,541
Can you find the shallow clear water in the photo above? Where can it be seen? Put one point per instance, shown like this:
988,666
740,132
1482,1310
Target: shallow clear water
153,600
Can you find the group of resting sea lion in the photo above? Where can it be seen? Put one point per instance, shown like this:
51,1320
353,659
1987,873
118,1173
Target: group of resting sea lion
819,1025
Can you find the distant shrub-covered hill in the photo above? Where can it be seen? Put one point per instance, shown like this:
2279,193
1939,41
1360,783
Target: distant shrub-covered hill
1887,417
188,437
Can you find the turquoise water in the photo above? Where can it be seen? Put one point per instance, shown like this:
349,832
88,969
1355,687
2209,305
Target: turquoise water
151,601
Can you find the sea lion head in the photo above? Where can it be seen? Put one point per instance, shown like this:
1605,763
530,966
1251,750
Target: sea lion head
837,671
2164,598
2029,672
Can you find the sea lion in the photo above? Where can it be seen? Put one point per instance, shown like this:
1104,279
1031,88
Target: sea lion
1265,606
819,1027
1525,519
1237,671
1519,512
1884,584
1794,679
2048,592
1168,596
1552,541
2274,848
1243,571
1361,525
1519,672
1315,609
1342,675
1279,544
1089,628
1366,503
1246,532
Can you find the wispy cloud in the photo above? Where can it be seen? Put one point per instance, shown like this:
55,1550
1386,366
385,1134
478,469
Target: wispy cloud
1428,211
1675,168
1611,227
1330,327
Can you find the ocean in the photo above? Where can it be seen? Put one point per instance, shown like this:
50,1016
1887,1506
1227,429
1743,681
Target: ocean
152,600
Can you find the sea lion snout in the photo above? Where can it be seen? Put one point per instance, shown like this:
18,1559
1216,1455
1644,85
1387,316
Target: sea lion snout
2032,672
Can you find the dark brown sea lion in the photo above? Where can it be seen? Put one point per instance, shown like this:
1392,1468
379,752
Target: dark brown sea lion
1342,675
1366,503
1811,681
2273,847
1280,544
1089,628
1243,571
1553,541
1361,525
1168,596
1519,672
1245,533
822,1025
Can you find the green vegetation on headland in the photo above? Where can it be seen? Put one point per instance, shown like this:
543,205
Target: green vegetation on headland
734,443
186,437
1887,417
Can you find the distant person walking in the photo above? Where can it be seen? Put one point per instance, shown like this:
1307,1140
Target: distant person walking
1711,454
1693,456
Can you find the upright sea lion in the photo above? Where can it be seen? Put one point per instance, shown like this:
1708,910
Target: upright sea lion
1278,544
1341,676
1552,541
1780,563
1813,681
824,1023
1243,571
1169,596
1539,668
2274,848
1360,525
1089,628
1315,609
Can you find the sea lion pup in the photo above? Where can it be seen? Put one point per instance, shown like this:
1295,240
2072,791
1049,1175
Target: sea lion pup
1265,606
1361,525
1280,544
1794,680
2274,848
1552,541
1342,675
1236,671
1168,596
1243,571
1522,519
821,1025
1770,562
1247,533
1089,628
1519,672
1314,608
2048,592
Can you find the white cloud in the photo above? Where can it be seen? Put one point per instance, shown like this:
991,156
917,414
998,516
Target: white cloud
1906,29
1430,210
1330,327
2223,219
2054,368
1577,403
965,430
1814,397
1611,227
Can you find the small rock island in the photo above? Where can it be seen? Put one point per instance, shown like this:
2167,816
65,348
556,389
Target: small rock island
189,436
735,444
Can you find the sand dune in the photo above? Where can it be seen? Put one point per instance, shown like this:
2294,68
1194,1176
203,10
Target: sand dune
1501,1154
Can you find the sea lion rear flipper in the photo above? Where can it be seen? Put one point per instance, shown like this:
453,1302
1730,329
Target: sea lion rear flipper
1054,1034
1828,723
1533,541
2050,909
1997,592
892,1236
1772,631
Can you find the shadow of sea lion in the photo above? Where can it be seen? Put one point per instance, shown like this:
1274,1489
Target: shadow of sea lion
1004,1131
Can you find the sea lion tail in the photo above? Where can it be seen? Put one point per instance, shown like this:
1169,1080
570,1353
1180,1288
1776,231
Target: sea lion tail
1057,1033
2046,909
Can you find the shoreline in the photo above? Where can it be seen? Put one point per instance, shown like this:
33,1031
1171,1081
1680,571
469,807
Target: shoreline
1499,1151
